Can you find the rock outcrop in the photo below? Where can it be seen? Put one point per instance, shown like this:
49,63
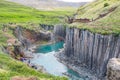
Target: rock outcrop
25,39
91,50
59,32
21,37
113,69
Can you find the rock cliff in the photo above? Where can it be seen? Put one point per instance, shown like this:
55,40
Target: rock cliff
25,39
59,30
91,50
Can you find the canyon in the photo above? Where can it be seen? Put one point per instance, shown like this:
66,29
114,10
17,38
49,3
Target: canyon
90,50
85,52
88,44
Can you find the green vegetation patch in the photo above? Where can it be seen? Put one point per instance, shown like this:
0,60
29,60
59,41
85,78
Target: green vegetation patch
108,24
14,13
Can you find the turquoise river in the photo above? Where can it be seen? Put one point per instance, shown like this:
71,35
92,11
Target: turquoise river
45,56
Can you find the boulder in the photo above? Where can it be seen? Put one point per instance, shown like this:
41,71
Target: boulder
113,69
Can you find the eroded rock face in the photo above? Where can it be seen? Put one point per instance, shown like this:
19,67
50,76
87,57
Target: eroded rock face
27,37
24,41
59,32
91,50
113,69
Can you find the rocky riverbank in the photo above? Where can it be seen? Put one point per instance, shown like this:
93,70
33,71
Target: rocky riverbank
25,43
30,54
81,70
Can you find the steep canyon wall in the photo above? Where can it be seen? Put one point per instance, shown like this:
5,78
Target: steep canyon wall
91,50
59,32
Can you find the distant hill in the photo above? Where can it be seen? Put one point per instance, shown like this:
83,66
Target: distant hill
48,4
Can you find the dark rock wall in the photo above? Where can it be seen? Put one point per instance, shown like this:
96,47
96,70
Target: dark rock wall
19,34
92,50
59,31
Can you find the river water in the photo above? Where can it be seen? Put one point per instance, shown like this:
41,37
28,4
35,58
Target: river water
45,56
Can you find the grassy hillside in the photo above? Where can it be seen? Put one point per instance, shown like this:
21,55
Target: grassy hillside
10,67
106,25
15,13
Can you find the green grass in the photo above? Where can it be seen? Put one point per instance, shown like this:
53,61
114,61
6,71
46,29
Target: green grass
15,13
10,67
109,24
